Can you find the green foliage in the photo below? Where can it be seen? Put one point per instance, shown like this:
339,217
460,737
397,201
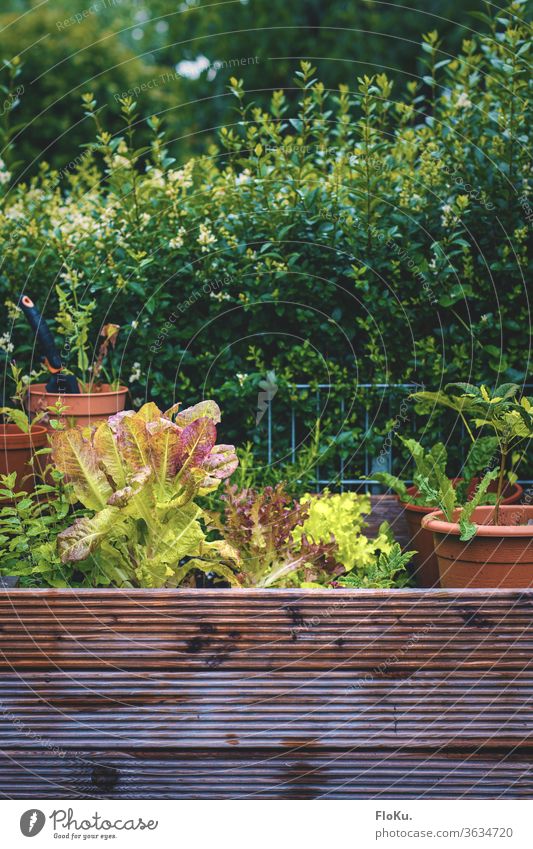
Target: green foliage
308,543
433,487
361,234
29,526
341,515
18,415
388,570
60,62
503,411
468,528
139,475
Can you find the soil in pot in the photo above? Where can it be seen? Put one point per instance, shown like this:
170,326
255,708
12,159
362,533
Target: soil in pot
83,409
426,567
498,556
16,449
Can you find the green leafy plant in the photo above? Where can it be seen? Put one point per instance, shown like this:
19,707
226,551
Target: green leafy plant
139,475
29,526
444,496
430,473
18,415
307,543
388,570
261,526
341,515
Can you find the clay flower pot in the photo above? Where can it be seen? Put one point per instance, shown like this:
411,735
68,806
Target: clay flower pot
426,569
498,556
83,409
16,449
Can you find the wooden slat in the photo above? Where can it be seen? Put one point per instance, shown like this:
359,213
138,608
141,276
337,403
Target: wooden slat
296,774
269,630
332,710
231,694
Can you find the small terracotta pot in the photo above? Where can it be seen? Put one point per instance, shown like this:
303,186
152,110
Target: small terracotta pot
85,408
426,571
497,556
16,449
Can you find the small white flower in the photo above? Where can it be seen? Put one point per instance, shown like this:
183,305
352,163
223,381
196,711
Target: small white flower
178,240
134,324
241,378
6,344
243,177
136,373
121,161
5,175
206,237
463,101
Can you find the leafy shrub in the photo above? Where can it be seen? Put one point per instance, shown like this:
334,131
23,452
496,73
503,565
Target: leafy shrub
56,70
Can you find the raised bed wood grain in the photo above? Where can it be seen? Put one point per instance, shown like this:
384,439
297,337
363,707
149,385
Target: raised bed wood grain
274,694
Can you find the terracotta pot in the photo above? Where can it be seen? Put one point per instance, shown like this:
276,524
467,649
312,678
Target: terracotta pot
497,556
426,571
83,409
16,449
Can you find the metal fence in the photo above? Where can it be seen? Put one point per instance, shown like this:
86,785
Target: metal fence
340,478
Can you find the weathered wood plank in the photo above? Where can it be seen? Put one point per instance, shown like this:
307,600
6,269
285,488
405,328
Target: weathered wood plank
330,710
269,630
236,694
264,774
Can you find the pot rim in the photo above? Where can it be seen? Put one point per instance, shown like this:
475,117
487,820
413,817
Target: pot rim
40,389
438,524
516,490
12,433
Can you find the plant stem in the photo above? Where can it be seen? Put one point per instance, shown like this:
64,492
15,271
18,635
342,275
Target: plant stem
499,492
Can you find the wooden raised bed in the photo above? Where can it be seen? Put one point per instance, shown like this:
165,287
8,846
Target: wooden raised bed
266,694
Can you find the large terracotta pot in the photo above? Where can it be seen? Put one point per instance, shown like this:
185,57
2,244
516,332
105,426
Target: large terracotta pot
498,556
83,409
16,449
426,569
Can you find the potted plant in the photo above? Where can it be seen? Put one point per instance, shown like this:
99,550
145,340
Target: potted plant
419,500
479,545
94,393
19,439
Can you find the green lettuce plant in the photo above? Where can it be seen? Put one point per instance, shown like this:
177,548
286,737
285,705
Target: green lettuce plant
341,515
313,542
140,474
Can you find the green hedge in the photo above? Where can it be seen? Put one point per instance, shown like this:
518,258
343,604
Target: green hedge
371,234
